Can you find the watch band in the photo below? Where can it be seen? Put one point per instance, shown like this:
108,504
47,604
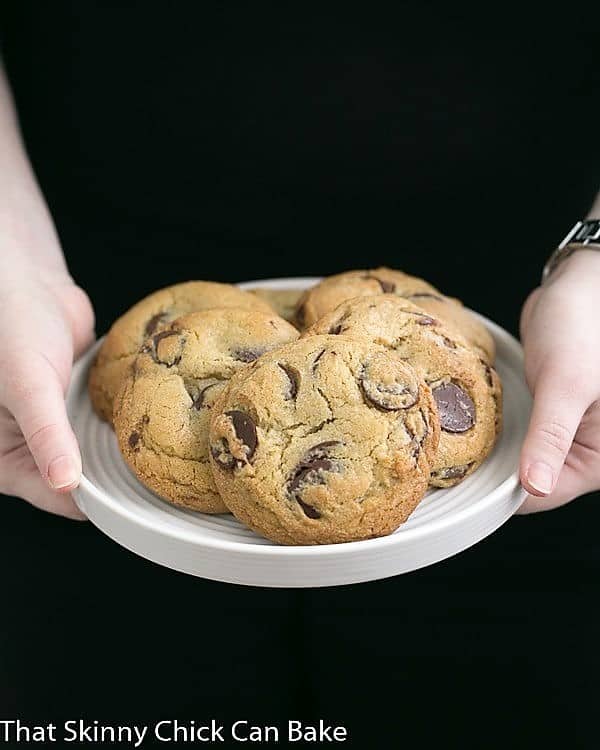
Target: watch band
584,235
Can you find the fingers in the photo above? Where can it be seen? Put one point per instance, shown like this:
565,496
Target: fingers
559,404
32,391
571,484
31,487
82,321
527,311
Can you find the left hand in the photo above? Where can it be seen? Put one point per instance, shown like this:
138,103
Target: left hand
560,330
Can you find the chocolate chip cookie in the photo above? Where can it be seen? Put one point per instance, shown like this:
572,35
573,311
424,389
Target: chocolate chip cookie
325,440
465,387
151,315
334,290
163,406
283,301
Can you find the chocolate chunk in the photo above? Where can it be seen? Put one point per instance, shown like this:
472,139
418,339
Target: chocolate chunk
153,323
452,472
416,446
152,349
309,510
308,473
134,439
315,363
387,286
310,470
418,440
245,431
422,318
293,379
198,402
455,407
163,335
247,355
220,452
425,295
388,390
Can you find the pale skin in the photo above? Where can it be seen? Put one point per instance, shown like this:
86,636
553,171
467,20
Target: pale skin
47,322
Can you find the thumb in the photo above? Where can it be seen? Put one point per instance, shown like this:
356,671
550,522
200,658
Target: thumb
559,404
32,391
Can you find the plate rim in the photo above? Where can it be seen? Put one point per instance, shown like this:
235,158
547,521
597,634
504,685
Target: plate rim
444,523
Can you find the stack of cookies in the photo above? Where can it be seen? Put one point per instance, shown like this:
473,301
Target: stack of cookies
326,427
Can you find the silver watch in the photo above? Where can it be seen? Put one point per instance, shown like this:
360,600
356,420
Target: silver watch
584,235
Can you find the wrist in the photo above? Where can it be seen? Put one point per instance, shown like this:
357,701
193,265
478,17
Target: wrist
23,277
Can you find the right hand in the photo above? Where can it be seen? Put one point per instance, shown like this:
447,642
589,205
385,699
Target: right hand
47,322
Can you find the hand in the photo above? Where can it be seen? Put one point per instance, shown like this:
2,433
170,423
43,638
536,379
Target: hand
560,459
46,323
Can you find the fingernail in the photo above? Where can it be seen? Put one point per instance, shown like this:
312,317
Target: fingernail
540,478
62,472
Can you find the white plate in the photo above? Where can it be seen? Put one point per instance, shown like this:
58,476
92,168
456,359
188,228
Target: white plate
220,548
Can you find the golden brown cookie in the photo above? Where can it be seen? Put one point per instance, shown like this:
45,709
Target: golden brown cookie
452,313
283,301
466,388
325,440
149,316
334,290
163,406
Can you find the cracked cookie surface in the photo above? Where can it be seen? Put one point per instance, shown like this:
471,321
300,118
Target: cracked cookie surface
325,440
334,290
150,316
162,409
467,390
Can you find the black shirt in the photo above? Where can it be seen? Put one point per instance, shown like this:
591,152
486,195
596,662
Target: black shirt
197,141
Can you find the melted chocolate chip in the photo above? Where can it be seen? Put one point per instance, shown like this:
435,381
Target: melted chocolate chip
423,318
309,510
307,472
315,363
452,472
417,441
153,323
220,452
416,445
455,407
292,377
133,440
247,355
156,339
310,470
245,430
336,329
387,395
153,348
198,402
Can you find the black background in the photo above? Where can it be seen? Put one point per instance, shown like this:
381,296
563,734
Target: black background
231,144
